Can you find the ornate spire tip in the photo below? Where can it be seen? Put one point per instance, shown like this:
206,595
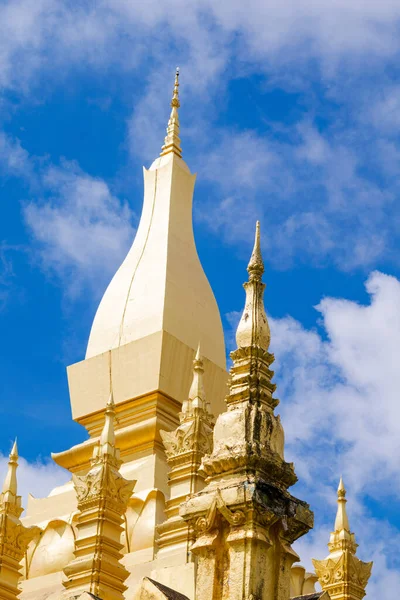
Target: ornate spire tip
172,142
198,352
256,265
14,450
341,489
110,403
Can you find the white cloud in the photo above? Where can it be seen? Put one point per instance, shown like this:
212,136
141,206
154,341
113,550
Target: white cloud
80,229
14,160
313,193
45,33
340,394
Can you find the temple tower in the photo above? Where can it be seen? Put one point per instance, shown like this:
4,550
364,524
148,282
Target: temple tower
342,574
245,520
103,496
14,537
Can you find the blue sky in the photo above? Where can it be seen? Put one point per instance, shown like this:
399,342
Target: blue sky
290,114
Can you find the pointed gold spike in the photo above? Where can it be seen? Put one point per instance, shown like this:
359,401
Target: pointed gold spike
196,393
256,265
10,481
14,450
107,438
342,521
172,142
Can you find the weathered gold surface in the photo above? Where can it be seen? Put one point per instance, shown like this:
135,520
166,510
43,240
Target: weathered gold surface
342,573
245,520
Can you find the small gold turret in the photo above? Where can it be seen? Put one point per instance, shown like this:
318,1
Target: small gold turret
172,142
14,537
103,495
342,574
185,447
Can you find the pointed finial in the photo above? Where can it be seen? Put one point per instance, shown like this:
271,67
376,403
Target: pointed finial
14,450
341,489
172,142
196,393
107,438
10,481
175,95
253,328
256,265
342,521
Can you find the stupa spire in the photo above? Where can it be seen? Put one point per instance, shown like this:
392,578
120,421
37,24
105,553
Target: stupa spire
253,328
234,516
172,142
342,573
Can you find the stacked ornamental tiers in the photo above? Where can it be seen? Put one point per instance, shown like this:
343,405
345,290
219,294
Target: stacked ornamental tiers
245,520
157,309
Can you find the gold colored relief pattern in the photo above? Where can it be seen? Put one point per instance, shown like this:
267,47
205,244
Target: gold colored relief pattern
208,522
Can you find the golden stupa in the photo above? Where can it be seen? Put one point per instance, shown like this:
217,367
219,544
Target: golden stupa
181,490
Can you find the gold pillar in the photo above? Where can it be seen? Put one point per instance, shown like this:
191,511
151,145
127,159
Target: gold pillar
103,495
14,537
245,519
342,574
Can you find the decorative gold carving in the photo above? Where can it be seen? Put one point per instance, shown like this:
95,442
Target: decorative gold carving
206,523
194,434
89,487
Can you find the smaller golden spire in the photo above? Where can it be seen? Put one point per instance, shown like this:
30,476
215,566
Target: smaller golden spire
342,536
342,574
172,142
105,448
253,328
196,393
107,438
10,481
